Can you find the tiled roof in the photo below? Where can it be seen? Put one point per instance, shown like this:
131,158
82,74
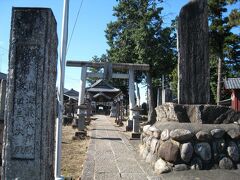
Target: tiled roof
102,86
72,94
3,76
232,83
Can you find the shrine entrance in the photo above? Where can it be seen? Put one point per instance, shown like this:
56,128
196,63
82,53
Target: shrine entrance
102,96
111,70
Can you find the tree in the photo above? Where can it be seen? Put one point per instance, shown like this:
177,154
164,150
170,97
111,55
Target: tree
224,43
137,36
95,58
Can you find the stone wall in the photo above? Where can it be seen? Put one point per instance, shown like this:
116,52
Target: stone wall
182,146
206,114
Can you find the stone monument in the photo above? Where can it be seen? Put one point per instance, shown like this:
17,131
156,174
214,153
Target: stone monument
28,147
192,134
193,61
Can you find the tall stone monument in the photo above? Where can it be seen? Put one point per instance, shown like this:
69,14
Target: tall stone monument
193,61
28,151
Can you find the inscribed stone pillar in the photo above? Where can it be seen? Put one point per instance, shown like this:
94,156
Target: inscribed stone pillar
2,98
28,151
193,61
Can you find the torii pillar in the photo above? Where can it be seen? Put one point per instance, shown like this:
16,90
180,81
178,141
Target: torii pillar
131,92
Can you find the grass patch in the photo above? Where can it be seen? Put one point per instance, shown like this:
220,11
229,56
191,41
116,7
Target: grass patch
73,153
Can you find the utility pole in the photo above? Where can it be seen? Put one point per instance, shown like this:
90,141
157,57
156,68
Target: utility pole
64,39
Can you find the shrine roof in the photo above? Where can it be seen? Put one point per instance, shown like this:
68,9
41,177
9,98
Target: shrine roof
72,94
102,86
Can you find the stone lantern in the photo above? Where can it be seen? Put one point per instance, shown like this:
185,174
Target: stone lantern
136,119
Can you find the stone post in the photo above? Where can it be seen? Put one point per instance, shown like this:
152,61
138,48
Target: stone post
2,98
89,110
81,117
28,149
193,61
136,119
82,85
131,92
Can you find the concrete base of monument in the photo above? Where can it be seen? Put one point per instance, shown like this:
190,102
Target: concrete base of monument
135,135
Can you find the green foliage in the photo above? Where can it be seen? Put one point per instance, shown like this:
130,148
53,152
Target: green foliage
224,43
137,36
95,58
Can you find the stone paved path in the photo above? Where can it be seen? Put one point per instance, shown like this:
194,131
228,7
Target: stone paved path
111,156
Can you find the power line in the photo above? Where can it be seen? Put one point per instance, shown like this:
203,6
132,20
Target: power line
74,25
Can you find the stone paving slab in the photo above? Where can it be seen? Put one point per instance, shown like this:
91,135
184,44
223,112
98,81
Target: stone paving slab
112,156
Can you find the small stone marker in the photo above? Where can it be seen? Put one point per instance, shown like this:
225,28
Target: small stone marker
136,119
2,98
31,92
81,117
193,63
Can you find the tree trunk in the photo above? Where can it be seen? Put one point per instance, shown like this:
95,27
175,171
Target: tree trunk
219,69
151,104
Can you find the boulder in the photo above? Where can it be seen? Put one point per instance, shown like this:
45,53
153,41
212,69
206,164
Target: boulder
165,135
148,142
203,150
233,151
157,134
151,158
153,145
206,114
234,133
145,128
153,128
218,147
168,151
225,163
145,153
186,151
217,133
181,135
161,167
203,136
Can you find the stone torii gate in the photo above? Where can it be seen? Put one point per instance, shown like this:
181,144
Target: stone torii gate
108,74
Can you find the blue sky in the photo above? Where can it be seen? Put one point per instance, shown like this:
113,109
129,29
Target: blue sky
89,36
